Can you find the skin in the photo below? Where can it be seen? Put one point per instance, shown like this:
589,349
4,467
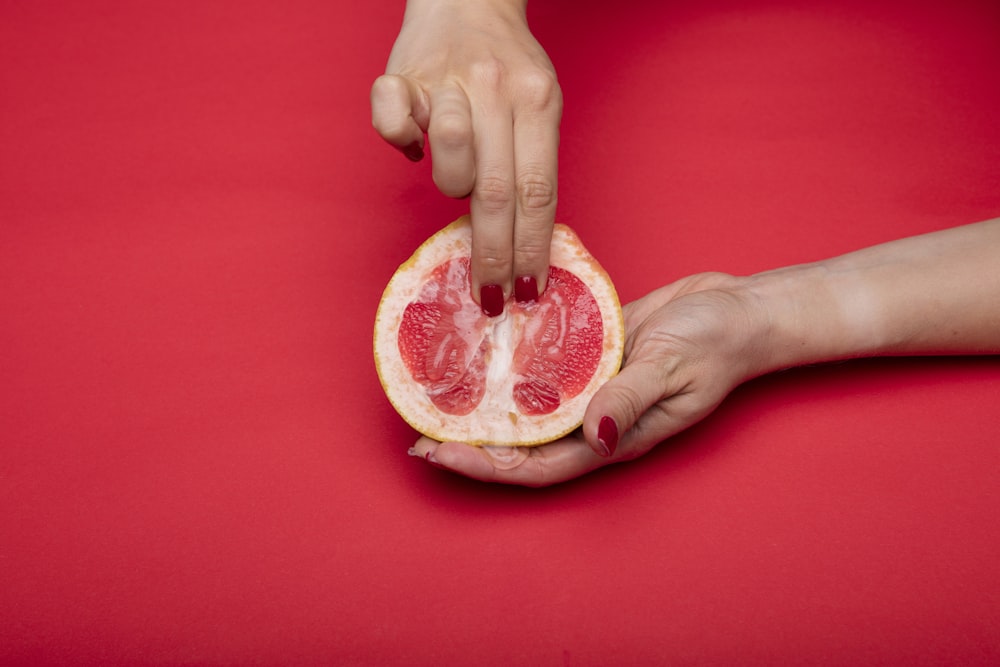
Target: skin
689,344
470,75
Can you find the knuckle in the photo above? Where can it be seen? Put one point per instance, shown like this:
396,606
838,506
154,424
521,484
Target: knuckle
452,130
494,193
539,89
382,89
536,194
490,72
631,405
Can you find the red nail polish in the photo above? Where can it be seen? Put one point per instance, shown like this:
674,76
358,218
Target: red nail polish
607,435
526,289
414,152
491,299
429,457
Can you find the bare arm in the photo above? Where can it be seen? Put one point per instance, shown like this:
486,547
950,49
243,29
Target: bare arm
937,293
690,343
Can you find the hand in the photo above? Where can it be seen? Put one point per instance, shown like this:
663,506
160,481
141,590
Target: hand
470,75
687,346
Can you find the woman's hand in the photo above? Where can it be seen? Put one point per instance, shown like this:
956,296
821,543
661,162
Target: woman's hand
687,346
470,75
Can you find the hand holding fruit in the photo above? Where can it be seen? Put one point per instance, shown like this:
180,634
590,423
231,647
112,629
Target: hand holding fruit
471,76
687,346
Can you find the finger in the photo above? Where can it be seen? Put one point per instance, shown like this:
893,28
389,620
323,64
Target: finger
492,208
536,158
451,135
620,403
525,466
400,113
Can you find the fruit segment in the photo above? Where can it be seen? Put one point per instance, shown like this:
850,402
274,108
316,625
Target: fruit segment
447,343
560,345
442,342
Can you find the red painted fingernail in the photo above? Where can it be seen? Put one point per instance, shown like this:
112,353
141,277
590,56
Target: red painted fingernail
429,457
414,152
491,299
526,289
607,436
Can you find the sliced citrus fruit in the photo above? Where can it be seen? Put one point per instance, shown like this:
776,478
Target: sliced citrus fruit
521,378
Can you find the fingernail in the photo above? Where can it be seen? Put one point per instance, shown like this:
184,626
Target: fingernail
491,299
607,436
414,152
526,289
431,459
426,456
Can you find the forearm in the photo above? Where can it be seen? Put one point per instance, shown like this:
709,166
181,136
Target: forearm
937,293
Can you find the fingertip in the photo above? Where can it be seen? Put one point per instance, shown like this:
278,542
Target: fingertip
492,299
383,86
526,289
601,433
543,279
424,448
492,261
528,286
607,436
491,282
454,184
531,271
414,151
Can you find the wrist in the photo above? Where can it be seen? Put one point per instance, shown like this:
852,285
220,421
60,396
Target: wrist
809,314
426,5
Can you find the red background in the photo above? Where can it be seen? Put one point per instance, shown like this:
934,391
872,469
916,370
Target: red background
198,464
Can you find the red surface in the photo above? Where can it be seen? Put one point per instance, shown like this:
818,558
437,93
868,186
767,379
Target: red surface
198,465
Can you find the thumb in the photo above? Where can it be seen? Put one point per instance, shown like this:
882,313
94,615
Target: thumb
400,113
617,406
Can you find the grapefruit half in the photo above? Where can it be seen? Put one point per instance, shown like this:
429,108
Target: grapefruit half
519,379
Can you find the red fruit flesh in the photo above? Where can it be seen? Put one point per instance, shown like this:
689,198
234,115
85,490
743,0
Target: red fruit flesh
560,345
447,344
